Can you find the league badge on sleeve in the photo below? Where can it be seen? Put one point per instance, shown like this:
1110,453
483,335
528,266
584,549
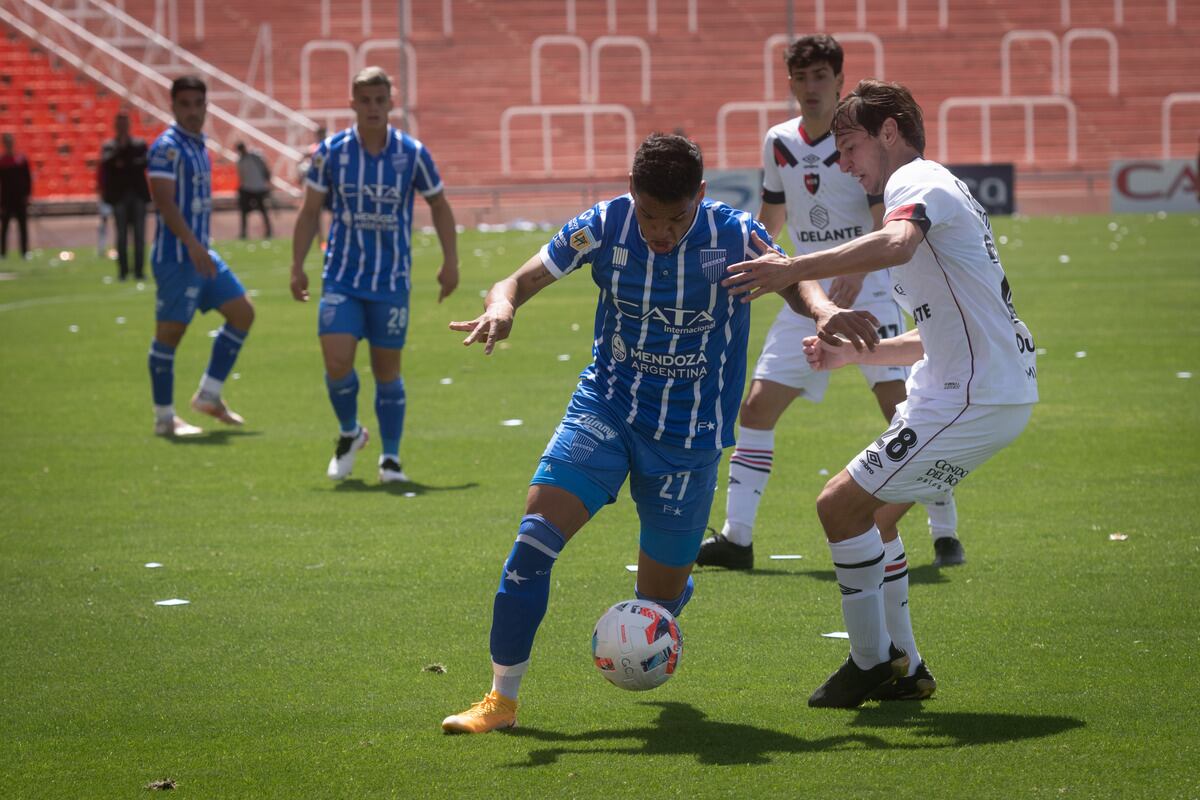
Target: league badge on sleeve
712,264
582,240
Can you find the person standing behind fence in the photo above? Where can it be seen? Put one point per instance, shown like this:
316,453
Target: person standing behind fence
123,161
254,185
16,185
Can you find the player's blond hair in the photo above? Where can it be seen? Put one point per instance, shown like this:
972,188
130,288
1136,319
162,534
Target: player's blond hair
371,76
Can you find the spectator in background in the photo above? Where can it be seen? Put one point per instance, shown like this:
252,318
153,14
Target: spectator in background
16,185
123,162
254,184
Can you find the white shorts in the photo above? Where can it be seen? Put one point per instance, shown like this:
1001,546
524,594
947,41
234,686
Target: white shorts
782,359
930,447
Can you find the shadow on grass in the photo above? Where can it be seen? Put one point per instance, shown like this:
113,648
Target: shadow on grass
406,487
926,573
221,436
683,730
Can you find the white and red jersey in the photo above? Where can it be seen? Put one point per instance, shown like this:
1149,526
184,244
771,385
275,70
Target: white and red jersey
976,349
825,206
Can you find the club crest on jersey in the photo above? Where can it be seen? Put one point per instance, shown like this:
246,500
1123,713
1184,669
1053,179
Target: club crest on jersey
318,162
172,154
582,239
400,161
712,264
812,182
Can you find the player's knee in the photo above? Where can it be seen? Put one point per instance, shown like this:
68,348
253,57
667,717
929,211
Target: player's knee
757,415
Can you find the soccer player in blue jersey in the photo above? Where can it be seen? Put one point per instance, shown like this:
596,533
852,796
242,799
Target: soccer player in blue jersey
657,404
190,276
372,171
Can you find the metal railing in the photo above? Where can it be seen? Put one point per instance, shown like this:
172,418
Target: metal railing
761,107
1118,12
589,63
356,59
587,111
1169,102
693,18
776,39
985,105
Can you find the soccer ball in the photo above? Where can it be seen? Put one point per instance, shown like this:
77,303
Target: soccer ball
637,645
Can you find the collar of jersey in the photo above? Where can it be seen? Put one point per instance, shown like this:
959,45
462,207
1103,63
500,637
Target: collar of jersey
387,145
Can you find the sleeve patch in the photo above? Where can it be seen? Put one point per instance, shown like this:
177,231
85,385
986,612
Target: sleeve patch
582,239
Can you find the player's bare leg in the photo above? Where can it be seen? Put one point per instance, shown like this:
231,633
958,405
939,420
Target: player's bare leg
167,336
749,470
552,516
337,351
239,317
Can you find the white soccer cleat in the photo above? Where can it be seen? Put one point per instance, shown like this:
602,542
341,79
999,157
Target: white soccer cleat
175,428
215,407
342,462
390,471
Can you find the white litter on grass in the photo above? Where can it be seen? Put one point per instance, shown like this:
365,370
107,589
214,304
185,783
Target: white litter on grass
483,292
237,376
410,494
477,252
785,557
314,566
253,292
1112,226
1064,259
836,635
174,601
631,567
563,357
1160,214
822,471
106,280
152,565
1003,239
73,328
214,333
141,287
1081,353
1041,351
446,381
120,320
250,248
1183,374
574,326
1117,537
1113,246
512,423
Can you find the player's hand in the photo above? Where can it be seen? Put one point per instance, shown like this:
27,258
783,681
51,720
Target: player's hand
201,260
492,326
823,355
447,278
845,288
838,325
768,273
299,285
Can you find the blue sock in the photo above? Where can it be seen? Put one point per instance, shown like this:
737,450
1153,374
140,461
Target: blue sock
524,590
343,394
674,606
162,373
225,351
389,407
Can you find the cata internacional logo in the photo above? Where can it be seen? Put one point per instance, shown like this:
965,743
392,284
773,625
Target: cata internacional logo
1155,184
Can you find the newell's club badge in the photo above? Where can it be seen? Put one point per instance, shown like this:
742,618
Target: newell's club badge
712,264
812,182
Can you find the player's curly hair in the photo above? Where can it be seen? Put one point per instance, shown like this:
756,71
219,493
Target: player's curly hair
188,83
668,167
809,50
872,102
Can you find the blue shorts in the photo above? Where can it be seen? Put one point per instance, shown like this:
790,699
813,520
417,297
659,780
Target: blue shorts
181,291
383,323
594,449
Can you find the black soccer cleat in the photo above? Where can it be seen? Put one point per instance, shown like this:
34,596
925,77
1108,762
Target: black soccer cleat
948,552
917,686
851,685
717,551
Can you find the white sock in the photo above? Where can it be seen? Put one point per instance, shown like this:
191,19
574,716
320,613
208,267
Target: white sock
507,680
858,564
943,517
749,470
895,601
164,412
210,386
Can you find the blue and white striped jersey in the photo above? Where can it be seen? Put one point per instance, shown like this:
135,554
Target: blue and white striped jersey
669,342
370,240
181,156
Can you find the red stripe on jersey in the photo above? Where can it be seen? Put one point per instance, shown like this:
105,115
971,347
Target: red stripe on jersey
913,212
804,134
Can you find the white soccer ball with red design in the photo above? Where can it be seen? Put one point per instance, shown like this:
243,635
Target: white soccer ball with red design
637,645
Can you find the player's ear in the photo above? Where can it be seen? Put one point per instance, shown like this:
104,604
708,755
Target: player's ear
631,183
889,131
700,195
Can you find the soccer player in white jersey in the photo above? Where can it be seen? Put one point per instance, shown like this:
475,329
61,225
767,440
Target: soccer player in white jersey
973,382
823,207
655,406
372,172
189,276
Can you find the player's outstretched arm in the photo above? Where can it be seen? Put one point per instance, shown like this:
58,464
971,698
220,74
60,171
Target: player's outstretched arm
447,233
903,350
307,222
501,304
890,246
162,191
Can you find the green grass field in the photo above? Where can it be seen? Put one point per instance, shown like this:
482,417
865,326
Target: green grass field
1067,661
